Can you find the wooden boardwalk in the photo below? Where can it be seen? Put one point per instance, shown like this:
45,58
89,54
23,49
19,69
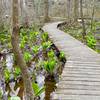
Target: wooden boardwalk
81,76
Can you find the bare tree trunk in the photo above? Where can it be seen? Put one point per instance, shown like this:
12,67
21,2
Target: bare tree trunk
18,54
24,13
76,12
83,24
93,11
1,15
69,9
46,10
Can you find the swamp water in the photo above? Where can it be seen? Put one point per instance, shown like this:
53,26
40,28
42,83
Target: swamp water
16,87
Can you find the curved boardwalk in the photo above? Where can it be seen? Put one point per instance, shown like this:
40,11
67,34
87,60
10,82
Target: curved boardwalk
81,76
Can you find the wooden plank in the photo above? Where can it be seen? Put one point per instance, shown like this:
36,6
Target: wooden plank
81,75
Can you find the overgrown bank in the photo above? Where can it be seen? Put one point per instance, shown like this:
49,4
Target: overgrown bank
44,63
92,35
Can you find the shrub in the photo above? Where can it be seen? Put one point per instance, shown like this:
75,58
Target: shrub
91,41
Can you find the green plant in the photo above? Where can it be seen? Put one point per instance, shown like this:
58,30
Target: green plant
45,36
33,35
62,55
1,94
91,41
22,44
46,45
7,75
97,50
23,32
37,89
27,56
5,38
49,66
51,54
24,40
35,49
15,98
17,71
94,24
2,38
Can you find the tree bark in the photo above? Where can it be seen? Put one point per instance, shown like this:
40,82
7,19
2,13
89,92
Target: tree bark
83,24
46,10
69,9
1,15
18,54
93,12
76,12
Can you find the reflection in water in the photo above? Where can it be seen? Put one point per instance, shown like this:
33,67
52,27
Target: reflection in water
40,80
9,62
14,92
50,88
21,91
17,86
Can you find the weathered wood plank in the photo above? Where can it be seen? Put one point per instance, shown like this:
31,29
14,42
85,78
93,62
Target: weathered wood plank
81,76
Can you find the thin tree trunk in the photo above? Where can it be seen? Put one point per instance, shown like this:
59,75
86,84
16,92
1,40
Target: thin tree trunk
76,5
1,15
69,9
83,24
18,54
46,11
25,14
92,17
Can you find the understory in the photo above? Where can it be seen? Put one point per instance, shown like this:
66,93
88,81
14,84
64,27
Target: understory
92,35
44,63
